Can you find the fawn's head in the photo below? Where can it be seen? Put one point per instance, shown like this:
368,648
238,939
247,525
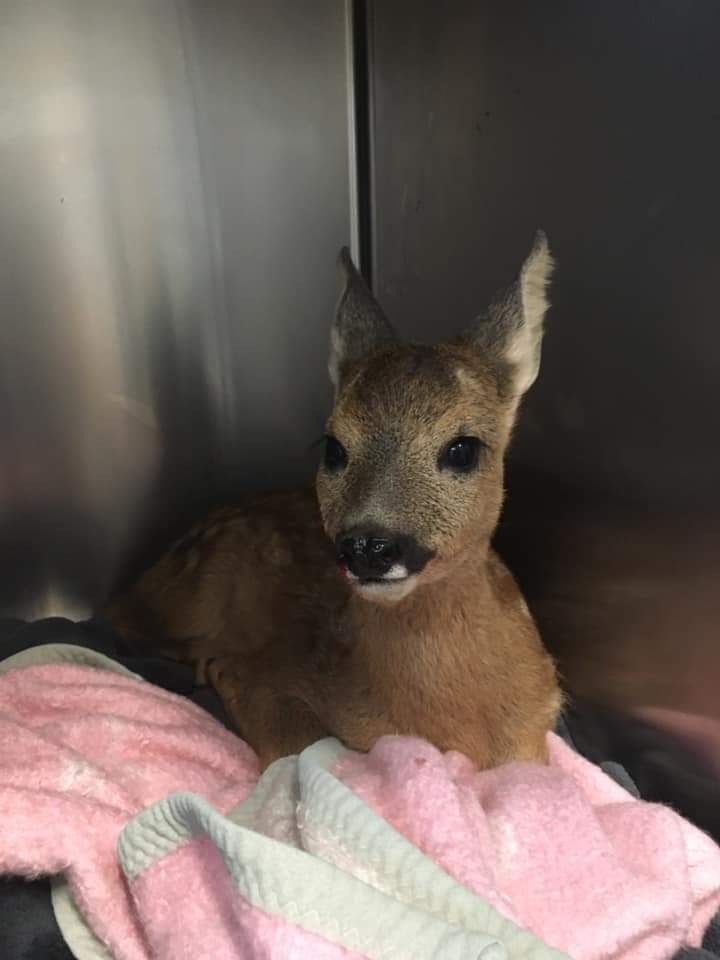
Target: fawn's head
411,483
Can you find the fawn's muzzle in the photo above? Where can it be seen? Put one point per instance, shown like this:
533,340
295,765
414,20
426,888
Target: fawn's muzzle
375,556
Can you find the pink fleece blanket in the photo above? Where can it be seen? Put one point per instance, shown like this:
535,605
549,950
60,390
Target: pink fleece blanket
560,850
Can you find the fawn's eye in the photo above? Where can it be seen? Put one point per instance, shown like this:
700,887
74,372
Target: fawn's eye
461,455
335,458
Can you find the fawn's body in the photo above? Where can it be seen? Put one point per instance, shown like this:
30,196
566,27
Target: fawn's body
422,630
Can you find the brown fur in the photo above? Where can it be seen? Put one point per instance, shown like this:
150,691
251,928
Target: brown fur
296,651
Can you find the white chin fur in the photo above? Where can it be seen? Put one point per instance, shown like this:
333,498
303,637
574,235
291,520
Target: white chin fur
390,589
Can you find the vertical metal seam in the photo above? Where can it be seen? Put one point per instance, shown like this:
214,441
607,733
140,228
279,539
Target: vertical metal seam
354,198
370,142
360,134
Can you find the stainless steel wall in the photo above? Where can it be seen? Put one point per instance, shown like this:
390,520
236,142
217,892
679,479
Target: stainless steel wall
601,123
174,186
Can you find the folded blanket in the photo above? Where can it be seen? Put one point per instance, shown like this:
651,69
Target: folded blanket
401,853
81,751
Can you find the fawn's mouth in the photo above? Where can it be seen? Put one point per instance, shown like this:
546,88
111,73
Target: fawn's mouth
396,574
392,586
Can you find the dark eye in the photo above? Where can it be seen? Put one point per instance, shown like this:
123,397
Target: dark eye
461,454
335,455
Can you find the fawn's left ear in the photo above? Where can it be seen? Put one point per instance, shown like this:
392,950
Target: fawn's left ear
360,326
511,331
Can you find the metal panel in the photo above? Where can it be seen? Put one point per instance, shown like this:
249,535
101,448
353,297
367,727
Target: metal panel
599,122
174,187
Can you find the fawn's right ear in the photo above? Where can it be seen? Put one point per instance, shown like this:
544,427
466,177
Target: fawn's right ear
511,331
360,326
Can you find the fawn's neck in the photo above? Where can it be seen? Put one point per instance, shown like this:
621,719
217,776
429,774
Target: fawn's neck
428,628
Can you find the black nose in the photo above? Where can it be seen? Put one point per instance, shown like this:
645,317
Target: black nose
370,554
368,557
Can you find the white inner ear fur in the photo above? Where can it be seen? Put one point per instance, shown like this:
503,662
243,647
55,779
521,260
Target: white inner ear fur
335,358
524,344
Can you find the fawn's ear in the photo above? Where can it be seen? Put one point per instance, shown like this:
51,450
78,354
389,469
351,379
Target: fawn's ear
511,331
360,326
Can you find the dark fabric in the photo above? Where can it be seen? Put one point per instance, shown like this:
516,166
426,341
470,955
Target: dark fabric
28,930
694,953
612,768
711,941
664,769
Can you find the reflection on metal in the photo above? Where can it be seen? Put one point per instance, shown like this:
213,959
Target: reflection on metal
173,191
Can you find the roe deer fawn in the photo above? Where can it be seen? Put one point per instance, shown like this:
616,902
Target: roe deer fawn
385,611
